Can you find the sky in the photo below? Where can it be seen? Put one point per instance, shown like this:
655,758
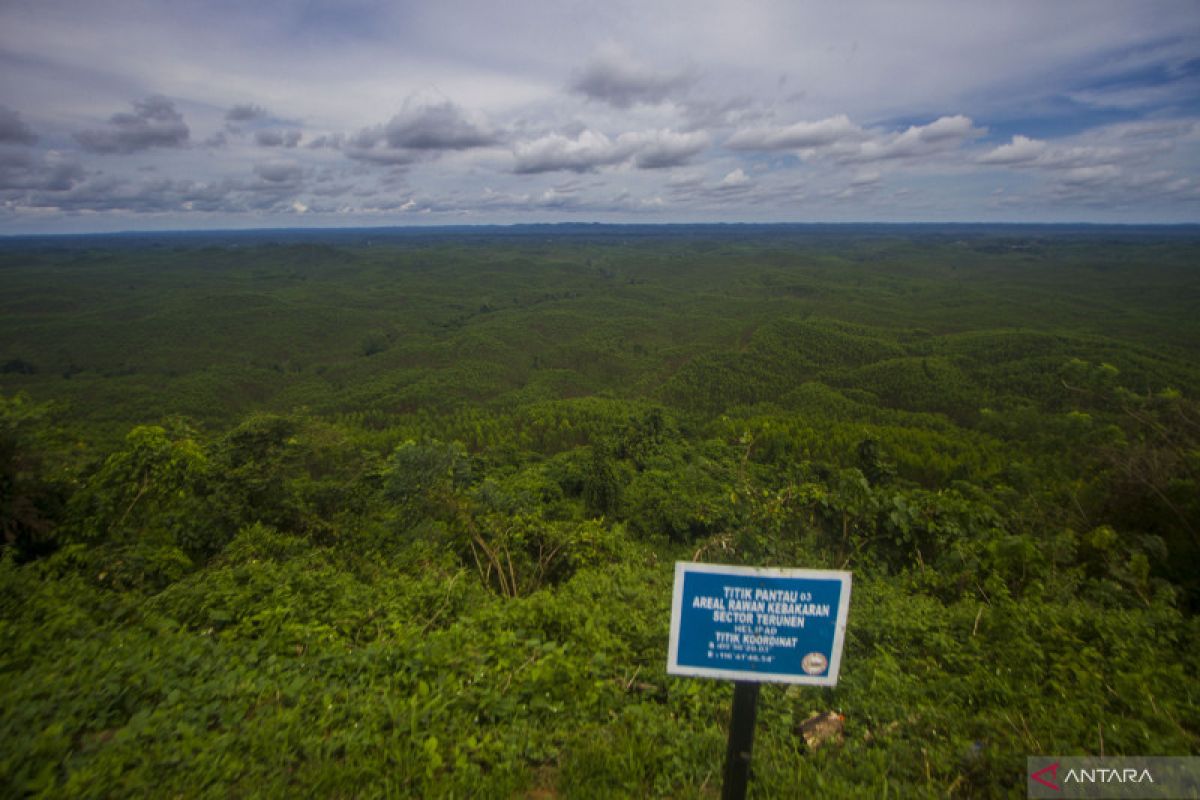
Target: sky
302,113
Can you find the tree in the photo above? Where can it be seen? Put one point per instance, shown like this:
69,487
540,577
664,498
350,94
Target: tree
601,489
30,502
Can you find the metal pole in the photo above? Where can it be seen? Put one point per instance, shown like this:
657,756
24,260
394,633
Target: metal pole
741,740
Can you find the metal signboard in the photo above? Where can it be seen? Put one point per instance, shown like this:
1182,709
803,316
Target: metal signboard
758,624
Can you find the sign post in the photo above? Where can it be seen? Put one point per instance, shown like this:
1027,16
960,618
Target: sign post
755,625
741,740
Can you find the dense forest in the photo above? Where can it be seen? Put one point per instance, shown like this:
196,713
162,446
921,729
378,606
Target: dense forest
395,513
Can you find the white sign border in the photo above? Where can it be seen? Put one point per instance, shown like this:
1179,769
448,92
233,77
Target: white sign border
839,632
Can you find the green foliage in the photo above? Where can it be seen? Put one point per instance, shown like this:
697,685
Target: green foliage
916,384
30,497
644,437
517,555
601,488
139,490
872,464
406,524
681,500
140,566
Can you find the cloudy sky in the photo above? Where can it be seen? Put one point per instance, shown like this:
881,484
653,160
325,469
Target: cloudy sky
183,114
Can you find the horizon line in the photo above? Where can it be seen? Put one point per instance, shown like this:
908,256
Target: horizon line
318,229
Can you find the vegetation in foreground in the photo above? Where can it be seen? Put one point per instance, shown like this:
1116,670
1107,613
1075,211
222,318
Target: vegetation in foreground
385,516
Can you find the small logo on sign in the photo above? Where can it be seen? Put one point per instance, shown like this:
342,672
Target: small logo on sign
1039,776
814,663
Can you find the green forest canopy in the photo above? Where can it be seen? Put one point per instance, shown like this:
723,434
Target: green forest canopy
368,512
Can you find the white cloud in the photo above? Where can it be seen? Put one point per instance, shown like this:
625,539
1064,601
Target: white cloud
734,179
839,138
738,111
13,129
437,124
614,76
154,123
1090,176
665,148
588,150
918,141
1115,168
246,112
799,135
1021,150
426,127
274,138
866,177
592,149
278,171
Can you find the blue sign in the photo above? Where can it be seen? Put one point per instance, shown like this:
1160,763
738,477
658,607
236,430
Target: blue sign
758,624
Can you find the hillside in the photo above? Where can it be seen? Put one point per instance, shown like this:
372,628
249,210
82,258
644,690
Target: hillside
388,513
